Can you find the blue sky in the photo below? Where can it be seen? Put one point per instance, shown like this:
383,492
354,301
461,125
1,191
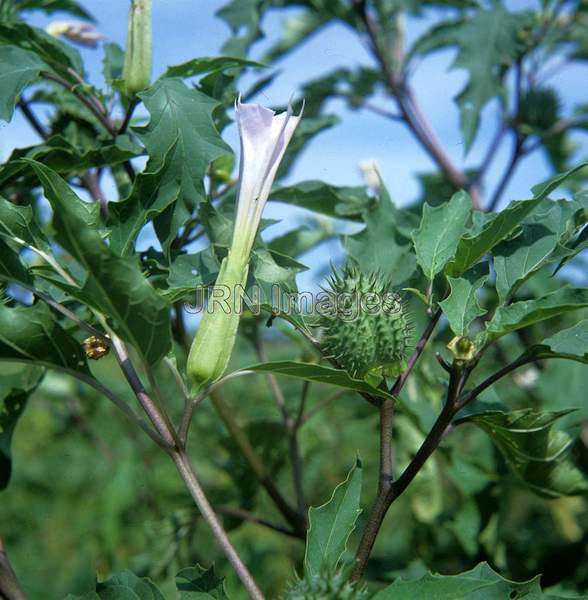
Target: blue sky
184,29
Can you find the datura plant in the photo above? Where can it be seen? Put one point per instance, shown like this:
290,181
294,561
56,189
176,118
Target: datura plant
264,138
355,399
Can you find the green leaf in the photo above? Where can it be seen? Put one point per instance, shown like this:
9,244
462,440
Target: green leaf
197,583
18,68
152,193
304,238
180,118
208,64
66,157
522,314
487,45
112,63
473,246
52,51
51,6
330,200
319,374
381,247
537,244
542,190
461,306
18,224
489,230
123,586
188,272
331,524
569,343
536,454
31,334
17,382
441,228
11,267
481,583
114,286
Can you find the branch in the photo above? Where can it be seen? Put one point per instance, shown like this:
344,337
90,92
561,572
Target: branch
245,515
393,489
156,416
421,344
89,104
517,154
9,585
191,480
410,110
194,403
240,437
128,115
523,360
289,425
177,453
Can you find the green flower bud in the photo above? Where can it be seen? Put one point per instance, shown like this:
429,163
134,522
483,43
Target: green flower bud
137,66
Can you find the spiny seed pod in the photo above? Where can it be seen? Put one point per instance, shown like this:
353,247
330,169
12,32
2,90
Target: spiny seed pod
327,587
366,328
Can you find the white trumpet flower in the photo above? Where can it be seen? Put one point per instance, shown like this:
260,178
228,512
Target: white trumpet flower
264,138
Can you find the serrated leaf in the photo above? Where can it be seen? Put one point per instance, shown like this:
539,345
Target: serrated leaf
182,117
153,192
18,224
31,334
473,246
441,228
480,583
331,524
537,455
18,68
187,272
522,314
489,230
66,157
330,200
114,286
381,247
487,46
197,583
319,374
461,306
537,244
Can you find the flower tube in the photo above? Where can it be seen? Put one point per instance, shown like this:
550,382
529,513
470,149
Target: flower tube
264,137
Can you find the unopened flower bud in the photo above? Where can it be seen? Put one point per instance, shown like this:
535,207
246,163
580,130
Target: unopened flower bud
84,34
137,65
